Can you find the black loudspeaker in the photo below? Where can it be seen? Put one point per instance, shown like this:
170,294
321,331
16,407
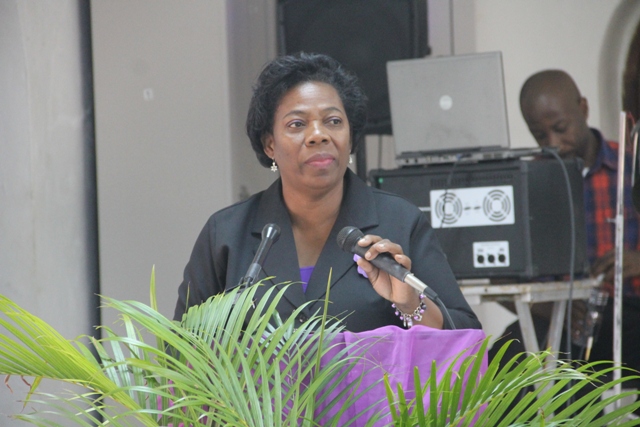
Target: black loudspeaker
362,35
508,219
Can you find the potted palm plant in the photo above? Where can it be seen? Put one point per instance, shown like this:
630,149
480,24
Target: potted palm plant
228,363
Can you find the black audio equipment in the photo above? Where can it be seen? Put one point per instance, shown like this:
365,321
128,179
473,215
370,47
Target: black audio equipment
362,35
506,219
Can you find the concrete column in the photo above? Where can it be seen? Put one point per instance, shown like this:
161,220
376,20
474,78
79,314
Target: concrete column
47,180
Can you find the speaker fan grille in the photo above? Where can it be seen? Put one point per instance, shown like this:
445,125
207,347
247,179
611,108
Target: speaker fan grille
496,205
448,208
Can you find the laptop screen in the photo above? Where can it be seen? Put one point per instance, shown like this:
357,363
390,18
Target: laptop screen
448,104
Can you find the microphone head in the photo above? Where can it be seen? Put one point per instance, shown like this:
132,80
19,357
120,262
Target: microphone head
348,238
271,231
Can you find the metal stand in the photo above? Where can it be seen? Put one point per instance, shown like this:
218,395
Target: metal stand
525,294
619,248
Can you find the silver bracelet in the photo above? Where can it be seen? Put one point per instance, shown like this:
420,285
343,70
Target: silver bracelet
407,319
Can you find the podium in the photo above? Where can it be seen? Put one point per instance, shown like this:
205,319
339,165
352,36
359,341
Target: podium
396,352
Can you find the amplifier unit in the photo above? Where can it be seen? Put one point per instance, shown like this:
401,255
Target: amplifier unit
506,219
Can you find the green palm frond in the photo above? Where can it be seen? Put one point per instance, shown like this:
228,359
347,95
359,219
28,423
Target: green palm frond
224,364
463,397
32,348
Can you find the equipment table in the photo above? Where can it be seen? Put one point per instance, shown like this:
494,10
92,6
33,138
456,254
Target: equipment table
525,294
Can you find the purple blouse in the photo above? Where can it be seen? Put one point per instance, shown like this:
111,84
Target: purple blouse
305,275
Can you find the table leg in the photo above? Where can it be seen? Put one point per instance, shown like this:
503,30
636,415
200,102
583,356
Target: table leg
526,326
555,332
555,328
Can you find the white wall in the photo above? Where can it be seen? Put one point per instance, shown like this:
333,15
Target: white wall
161,79
166,163
47,218
532,36
251,36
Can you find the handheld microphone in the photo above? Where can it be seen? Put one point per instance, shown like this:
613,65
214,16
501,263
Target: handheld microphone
270,235
348,239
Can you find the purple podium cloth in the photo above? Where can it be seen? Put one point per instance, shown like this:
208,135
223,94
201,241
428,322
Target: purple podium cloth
396,352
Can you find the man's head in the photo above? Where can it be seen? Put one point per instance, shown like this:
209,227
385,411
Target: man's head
556,113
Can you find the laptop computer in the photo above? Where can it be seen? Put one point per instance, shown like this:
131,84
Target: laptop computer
450,109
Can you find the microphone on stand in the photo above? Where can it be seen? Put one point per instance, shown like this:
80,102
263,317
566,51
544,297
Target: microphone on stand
270,235
589,329
348,239
597,303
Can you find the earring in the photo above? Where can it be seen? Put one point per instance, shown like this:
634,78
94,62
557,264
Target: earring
274,167
350,159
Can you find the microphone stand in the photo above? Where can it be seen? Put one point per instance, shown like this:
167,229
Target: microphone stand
270,235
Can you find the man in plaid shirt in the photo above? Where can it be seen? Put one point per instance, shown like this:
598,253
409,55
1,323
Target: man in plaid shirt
556,115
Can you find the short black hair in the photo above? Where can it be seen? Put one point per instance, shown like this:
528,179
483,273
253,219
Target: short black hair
549,81
286,72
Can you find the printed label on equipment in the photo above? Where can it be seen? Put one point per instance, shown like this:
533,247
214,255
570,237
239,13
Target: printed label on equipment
491,254
472,207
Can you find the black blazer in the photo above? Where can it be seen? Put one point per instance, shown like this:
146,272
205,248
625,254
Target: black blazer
227,244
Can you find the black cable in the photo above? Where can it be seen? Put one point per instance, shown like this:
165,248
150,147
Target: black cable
573,248
445,312
447,185
572,261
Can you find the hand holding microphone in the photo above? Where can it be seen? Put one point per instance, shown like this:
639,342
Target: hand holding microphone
349,240
388,257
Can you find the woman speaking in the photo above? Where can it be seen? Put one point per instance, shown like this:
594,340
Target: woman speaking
305,117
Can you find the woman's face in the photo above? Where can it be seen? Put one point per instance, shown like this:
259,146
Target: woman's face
311,137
